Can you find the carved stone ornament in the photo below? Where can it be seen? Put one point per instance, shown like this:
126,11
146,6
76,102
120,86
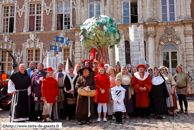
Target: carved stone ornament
9,1
169,35
32,42
18,56
6,43
20,11
48,9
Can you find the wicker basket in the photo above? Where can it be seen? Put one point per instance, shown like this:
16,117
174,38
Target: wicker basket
71,101
83,92
111,101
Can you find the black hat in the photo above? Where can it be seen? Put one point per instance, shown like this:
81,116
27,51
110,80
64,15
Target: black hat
81,70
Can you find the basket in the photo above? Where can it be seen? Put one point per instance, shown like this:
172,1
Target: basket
71,101
111,101
83,92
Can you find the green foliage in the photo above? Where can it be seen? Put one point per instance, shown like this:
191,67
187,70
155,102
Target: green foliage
99,32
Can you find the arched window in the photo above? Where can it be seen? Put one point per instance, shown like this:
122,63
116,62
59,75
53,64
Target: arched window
170,57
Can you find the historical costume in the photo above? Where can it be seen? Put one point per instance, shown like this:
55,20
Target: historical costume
70,91
112,84
129,100
95,69
118,95
171,100
85,111
76,69
19,83
88,64
107,67
59,75
49,94
182,80
140,81
102,83
159,93
36,83
30,71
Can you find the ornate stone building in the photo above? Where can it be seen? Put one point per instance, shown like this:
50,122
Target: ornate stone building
29,27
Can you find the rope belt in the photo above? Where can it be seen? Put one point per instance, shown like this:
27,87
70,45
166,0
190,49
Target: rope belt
15,101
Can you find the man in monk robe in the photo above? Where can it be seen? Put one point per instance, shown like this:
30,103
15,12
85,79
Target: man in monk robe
142,84
85,111
18,86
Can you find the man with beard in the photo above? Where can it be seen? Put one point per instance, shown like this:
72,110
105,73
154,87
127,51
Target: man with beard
59,75
36,83
18,86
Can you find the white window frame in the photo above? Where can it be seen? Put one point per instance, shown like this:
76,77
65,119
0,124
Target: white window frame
6,61
168,13
169,51
35,17
70,12
8,18
100,2
129,12
33,55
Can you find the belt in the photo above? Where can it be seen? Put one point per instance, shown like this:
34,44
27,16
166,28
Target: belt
182,87
60,87
38,86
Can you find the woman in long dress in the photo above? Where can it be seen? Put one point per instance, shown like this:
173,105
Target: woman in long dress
170,84
126,84
159,93
70,92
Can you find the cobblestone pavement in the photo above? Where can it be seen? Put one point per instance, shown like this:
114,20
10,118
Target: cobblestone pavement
179,122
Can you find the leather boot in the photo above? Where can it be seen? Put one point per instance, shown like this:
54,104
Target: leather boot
40,114
44,118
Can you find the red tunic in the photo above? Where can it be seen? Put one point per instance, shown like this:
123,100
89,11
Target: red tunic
142,99
96,71
50,89
102,82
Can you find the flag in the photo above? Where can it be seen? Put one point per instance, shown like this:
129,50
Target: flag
65,41
53,47
58,49
60,39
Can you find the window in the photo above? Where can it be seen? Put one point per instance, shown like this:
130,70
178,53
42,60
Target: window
130,12
66,55
126,12
8,18
170,58
94,8
6,62
35,17
33,55
63,15
168,10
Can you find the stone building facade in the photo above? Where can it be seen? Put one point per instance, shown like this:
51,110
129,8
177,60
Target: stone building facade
29,27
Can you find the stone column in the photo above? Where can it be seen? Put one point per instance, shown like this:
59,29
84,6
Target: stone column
42,14
77,46
189,55
54,16
151,50
150,11
151,43
26,18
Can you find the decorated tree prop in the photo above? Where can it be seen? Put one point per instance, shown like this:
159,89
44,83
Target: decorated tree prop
101,32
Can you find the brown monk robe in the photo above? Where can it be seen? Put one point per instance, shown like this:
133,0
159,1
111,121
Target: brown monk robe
82,113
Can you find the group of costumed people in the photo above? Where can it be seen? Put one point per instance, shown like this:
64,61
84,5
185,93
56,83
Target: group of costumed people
118,92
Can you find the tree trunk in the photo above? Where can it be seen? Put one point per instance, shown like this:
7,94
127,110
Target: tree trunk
102,55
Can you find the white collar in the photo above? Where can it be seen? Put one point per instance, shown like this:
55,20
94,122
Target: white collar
146,74
157,80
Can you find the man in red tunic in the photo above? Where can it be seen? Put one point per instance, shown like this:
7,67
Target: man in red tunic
142,84
49,94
